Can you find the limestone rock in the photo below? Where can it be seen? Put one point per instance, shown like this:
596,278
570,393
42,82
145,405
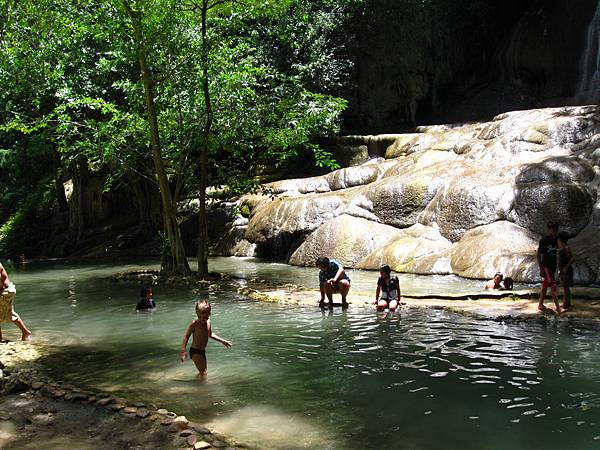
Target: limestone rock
200,445
285,217
524,167
355,176
535,204
498,247
344,238
299,186
233,242
468,202
417,249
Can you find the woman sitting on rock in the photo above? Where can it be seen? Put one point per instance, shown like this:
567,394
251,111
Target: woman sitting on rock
389,288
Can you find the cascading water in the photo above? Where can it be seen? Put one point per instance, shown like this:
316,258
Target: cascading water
589,83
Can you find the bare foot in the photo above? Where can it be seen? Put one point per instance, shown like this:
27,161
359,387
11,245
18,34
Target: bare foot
26,337
542,308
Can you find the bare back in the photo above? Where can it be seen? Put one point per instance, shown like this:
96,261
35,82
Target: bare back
200,333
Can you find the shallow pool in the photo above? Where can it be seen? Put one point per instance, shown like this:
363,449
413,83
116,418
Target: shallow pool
298,377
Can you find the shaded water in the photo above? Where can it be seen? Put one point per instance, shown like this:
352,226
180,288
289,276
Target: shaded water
302,378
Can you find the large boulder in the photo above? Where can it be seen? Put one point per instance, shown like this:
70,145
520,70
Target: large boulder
536,204
467,202
418,249
408,187
291,215
586,250
344,238
498,247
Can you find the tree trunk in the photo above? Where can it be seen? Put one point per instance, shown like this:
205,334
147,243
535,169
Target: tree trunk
202,225
174,260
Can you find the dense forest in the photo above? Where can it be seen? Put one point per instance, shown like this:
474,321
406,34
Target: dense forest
121,119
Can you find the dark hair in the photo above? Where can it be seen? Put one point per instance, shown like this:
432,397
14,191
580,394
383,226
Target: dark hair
508,283
322,261
563,236
144,291
499,274
385,268
552,225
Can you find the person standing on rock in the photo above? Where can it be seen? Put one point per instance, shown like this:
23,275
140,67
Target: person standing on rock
332,280
565,268
546,256
8,292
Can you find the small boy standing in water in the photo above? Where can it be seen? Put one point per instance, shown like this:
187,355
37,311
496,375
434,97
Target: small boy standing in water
201,330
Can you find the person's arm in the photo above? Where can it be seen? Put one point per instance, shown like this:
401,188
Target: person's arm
225,342
338,275
377,291
399,292
186,337
569,263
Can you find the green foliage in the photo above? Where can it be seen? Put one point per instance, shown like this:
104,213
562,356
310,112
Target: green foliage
70,86
26,227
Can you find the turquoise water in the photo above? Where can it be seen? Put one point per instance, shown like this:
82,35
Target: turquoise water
298,377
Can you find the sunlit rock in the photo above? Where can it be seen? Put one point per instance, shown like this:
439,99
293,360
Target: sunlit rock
468,202
299,186
278,223
418,249
355,176
345,238
489,188
498,247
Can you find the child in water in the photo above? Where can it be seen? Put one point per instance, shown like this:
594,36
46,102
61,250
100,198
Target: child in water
146,302
389,288
201,330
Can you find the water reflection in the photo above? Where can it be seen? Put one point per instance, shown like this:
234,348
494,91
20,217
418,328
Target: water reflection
301,377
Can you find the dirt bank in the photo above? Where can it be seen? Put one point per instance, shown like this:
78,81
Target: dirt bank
37,413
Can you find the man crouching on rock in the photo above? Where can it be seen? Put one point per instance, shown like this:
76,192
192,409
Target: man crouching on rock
332,280
8,291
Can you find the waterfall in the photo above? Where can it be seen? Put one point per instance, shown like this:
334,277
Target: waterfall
589,82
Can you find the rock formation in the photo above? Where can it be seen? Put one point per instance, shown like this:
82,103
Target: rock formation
467,199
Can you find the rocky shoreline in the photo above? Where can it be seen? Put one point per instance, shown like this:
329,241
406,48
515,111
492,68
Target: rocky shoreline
509,306
34,409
